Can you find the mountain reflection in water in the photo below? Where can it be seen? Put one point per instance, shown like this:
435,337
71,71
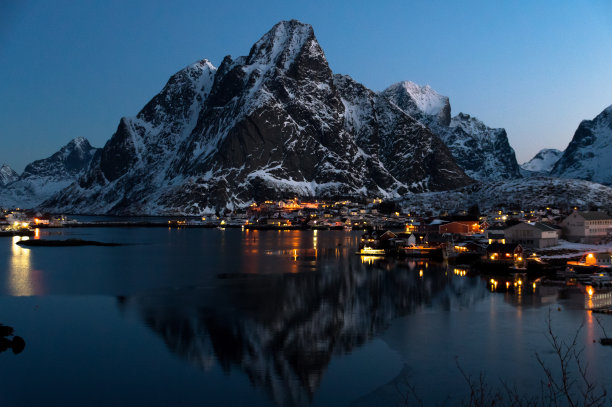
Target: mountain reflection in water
283,329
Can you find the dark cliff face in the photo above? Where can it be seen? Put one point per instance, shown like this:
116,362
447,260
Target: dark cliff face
589,154
276,123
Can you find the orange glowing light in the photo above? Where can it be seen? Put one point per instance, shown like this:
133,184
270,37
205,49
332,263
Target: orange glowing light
590,291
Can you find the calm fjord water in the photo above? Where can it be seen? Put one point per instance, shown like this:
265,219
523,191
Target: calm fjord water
211,317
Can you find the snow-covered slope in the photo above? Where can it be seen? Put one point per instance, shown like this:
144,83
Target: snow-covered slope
275,123
482,152
589,155
43,178
524,193
541,163
7,175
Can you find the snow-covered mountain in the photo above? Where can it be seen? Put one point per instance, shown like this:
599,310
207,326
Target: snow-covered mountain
43,178
541,163
275,123
589,155
483,152
7,175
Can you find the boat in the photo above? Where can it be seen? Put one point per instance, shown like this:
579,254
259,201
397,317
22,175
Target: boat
591,263
420,251
371,251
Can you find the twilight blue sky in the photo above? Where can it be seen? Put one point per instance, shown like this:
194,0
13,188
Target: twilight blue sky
73,68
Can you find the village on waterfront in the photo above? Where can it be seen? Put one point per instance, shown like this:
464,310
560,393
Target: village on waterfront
513,247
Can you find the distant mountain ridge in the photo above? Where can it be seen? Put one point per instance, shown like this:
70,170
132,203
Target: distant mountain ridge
542,163
43,178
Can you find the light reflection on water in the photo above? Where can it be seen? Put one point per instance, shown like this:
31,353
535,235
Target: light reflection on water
20,276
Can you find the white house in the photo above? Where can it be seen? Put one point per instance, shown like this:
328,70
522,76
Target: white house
536,234
587,227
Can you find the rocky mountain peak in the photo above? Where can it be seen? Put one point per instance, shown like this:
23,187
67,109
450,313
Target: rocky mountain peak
276,123
7,175
470,125
482,152
280,46
589,154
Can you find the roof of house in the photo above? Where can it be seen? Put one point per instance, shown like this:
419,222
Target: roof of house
544,227
595,215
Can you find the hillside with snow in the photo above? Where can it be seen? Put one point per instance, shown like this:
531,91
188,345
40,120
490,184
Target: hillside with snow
526,193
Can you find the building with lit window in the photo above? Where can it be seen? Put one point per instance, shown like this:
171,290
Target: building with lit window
508,252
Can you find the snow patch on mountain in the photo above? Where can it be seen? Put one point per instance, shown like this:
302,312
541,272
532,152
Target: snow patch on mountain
421,102
426,99
542,162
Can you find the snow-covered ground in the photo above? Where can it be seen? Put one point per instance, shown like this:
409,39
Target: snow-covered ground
567,249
